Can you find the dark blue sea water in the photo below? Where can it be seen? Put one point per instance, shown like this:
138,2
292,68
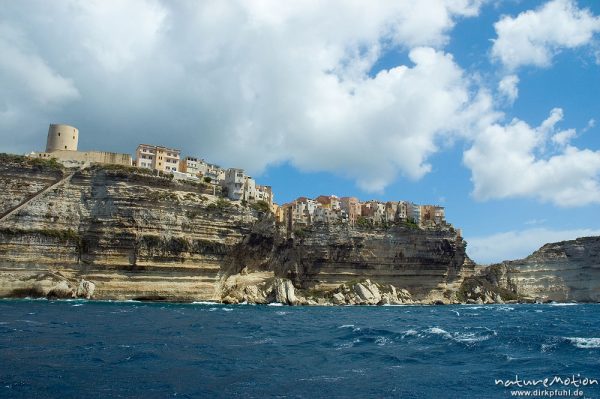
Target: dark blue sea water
74,349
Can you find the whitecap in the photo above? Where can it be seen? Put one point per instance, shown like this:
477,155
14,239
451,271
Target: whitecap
281,313
382,341
564,304
275,304
228,309
346,326
204,303
77,304
322,378
464,337
548,347
585,343
439,331
470,337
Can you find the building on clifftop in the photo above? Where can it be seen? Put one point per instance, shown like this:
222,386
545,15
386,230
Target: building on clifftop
62,143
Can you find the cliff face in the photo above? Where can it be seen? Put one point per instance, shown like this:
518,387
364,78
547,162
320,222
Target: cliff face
563,271
133,236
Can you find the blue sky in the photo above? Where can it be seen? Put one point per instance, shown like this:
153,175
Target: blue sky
489,108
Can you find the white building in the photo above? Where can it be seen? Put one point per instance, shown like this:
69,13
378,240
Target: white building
234,183
156,157
413,213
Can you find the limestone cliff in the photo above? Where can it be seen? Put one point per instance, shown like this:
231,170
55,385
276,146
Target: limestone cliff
118,233
562,272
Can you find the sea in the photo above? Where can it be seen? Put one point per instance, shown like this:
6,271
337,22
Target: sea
103,349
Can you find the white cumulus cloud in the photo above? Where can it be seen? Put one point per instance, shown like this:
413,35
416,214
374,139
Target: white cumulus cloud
513,160
508,87
535,36
250,84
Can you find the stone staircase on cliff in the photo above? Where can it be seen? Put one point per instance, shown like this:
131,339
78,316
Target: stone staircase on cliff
4,216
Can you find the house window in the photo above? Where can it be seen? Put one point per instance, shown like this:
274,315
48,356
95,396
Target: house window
65,147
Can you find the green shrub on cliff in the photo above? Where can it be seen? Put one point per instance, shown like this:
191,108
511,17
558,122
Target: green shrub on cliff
261,206
220,205
62,236
364,223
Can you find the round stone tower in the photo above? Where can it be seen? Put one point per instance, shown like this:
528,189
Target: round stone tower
62,137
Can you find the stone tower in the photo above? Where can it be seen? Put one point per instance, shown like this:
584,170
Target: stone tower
62,137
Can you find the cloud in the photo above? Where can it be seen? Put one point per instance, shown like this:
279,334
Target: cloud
21,68
513,245
514,160
250,84
508,88
535,36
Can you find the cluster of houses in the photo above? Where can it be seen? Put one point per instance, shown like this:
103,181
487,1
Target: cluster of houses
237,186
235,183
330,209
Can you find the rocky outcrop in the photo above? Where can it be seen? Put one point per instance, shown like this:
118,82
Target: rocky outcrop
562,272
118,233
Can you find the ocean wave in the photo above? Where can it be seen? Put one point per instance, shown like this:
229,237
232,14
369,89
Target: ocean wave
325,378
564,304
228,309
346,326
584,343
382,341
410,333
275,304
481,334
204,303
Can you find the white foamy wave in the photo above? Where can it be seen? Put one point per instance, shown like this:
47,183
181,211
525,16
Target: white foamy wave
548,347
410,333
346,326
347,344
382,341
228,309
585,343
275,304
470,337
439,331
281,313
204,303
464,337
77,304
564,304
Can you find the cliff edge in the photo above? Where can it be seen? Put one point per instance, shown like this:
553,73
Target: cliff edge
114,232
566,271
